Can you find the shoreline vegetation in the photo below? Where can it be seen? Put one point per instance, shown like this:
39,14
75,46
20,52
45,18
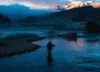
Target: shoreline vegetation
18,44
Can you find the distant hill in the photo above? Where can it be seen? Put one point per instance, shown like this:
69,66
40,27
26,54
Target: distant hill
17,11
76,14
60,19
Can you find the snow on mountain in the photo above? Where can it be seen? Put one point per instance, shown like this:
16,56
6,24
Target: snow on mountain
77,5
96,5
88,3
57,8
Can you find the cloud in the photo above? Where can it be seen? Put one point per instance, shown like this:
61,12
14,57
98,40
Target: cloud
74,1
40,3
29,3
34,5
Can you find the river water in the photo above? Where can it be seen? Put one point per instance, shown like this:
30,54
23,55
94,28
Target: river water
68,56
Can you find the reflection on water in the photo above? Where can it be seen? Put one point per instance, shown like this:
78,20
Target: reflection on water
80,42
76,45
66,53
83,43
49,56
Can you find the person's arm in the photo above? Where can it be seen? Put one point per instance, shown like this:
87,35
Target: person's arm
53,45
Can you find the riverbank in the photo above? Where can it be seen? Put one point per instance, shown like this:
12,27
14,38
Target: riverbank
18,44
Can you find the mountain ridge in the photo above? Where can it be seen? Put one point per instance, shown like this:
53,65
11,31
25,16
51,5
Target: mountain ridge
76,5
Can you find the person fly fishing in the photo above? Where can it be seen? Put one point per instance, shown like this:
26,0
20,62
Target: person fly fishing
49,49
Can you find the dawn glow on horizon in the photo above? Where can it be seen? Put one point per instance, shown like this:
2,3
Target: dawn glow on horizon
41,3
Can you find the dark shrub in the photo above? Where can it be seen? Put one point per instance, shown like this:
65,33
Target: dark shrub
6,20
1,15
92,27
2,44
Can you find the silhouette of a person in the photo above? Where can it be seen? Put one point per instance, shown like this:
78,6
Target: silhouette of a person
49,49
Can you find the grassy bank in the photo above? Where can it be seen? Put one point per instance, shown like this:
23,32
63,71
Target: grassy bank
18,44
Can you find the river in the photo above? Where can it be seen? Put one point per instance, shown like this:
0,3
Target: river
68,56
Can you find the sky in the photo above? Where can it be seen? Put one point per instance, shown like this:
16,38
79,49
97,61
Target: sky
40,3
